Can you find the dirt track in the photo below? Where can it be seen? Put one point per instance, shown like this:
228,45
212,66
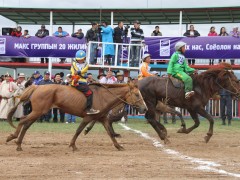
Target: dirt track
47,156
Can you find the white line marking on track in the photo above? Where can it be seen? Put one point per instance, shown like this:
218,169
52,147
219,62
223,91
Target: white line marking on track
203,165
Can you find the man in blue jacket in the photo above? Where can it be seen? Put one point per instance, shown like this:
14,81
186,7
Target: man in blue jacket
37,77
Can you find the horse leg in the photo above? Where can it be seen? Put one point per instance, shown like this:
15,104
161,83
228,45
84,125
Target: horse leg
112,130
204,114
107,126
86,131
196,123
22,134
82,125
19,127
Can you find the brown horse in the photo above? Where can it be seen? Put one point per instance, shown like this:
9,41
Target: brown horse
205,86
73,102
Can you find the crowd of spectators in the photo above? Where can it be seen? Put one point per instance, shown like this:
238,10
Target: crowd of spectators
106,34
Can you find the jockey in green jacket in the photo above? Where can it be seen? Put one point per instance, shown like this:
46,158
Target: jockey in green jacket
178,68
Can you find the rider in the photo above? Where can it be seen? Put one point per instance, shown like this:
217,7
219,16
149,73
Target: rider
78,69
178,68
145,68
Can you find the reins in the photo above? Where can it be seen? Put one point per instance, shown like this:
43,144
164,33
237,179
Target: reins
122,100
227,89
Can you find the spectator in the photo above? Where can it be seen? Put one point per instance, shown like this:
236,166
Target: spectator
118,38
37,77
90,79
225,101
70,118
92,35
191,33
223,32
145,68
156,32
17,32
21,86
109,79
120,78
60,33
212,33
46,80
58,80
137,36
107,37
234,33
7,90
41,33
79,34
27,107
25,34
100,76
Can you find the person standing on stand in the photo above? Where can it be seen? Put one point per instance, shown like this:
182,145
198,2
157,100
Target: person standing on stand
137,36
118,38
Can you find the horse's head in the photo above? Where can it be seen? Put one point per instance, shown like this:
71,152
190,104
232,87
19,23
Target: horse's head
228,81
134,98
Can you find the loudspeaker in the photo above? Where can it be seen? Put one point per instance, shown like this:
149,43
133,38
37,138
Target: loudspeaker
6,31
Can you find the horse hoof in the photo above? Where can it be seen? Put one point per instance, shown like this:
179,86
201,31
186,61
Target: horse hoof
19,148
181,130
207,138
166,141
9,138
85,132
117,135
120,148
74,147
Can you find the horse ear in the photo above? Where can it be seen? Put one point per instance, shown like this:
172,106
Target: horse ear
133,84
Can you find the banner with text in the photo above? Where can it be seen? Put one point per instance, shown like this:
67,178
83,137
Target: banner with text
159,47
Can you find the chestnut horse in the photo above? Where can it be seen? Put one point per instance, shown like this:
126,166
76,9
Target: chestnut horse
71,101
205,86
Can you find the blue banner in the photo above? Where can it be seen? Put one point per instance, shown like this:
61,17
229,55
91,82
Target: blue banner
159,47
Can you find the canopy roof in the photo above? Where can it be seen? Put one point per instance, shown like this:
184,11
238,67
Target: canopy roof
145,16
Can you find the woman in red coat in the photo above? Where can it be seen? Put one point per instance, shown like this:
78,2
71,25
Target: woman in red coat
17,32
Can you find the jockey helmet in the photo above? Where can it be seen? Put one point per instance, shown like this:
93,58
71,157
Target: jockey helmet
145,56
179,44
80,55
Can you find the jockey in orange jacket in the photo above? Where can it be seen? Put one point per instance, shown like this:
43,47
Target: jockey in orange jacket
145,68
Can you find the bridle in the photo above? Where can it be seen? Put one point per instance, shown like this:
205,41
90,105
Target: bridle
227,89
130,94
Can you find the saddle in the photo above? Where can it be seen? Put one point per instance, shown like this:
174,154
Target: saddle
176,82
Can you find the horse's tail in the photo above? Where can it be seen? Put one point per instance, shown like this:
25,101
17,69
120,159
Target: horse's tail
24,97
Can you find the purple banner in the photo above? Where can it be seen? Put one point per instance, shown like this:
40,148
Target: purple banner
159,47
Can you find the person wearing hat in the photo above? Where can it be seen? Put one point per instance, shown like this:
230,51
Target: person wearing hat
21,87
120,78
46,80
41,33
178,68
37,77
79,34
7,90
137,36
145,68
100,76
93,35
78,69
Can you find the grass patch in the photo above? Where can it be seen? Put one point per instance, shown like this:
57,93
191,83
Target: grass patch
138,124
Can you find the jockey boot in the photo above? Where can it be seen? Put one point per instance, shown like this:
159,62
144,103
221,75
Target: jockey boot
92,111
189,94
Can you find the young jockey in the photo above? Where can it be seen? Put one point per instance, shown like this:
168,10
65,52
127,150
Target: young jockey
145,68
178,68
78,70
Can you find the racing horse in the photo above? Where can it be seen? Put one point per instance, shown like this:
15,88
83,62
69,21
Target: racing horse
71,101
205,86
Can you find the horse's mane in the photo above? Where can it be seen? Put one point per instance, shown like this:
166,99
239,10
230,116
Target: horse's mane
207,79
108,85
